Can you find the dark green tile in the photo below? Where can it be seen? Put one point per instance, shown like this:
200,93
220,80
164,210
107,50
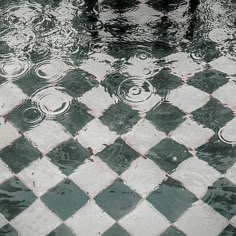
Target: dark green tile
116,230
15,197
120,118
65,199
62,230
30,83
118,199
228,231
208,80
77,82
75,118
118,156
168,154
8,230
68,156
173,231
213,115
26,116
112,81
164,82
2,80
222,197
19,154
171,199
161,48
219,155
166,117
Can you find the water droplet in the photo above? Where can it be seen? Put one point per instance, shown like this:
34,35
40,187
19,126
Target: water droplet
51,70
13,67
142,55
227,134
174,158
52,101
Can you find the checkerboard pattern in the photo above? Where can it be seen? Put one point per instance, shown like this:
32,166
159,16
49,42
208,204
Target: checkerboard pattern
104,168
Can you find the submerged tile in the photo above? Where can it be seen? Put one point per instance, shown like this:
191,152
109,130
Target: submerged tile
116,230
8,230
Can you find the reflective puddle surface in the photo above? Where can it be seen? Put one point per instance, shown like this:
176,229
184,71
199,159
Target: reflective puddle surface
117,118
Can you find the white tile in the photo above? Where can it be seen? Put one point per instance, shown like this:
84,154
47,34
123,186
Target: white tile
144,220
227,133
96,136
225,65
226,95
188,98
182,65
233,221
47,135
143,176
191,134
5,173
41,175
196,175
10,97
3,221
37,220
97,100
201,220
143,136
90,220
231,174
93,176
8,133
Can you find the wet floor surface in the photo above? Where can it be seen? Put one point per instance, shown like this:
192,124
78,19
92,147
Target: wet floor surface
117,118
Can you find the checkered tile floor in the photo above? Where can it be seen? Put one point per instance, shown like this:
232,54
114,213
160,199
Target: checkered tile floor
104,168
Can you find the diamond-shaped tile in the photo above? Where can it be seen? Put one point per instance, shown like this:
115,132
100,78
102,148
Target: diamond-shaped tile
15,94
37,220
208,80
8,230
201,220
90,220
213,115
217,154
118,199
173,231
118,156
77,82
143,136
75,118
19,154
231,174
96,136
65,199
144,220
222,197
224,64
183,98
164,82
62,230
41,175
89,178
233,221
168,154
191,134
15,197
120,118
116,230
44,138
171,199
228,231
68,156
196,175
166,117
226,95
97,100
7,133
143,176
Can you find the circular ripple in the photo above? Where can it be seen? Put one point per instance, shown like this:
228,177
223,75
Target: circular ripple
51,70
52,101
13,68
135,90
32,116
227,134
